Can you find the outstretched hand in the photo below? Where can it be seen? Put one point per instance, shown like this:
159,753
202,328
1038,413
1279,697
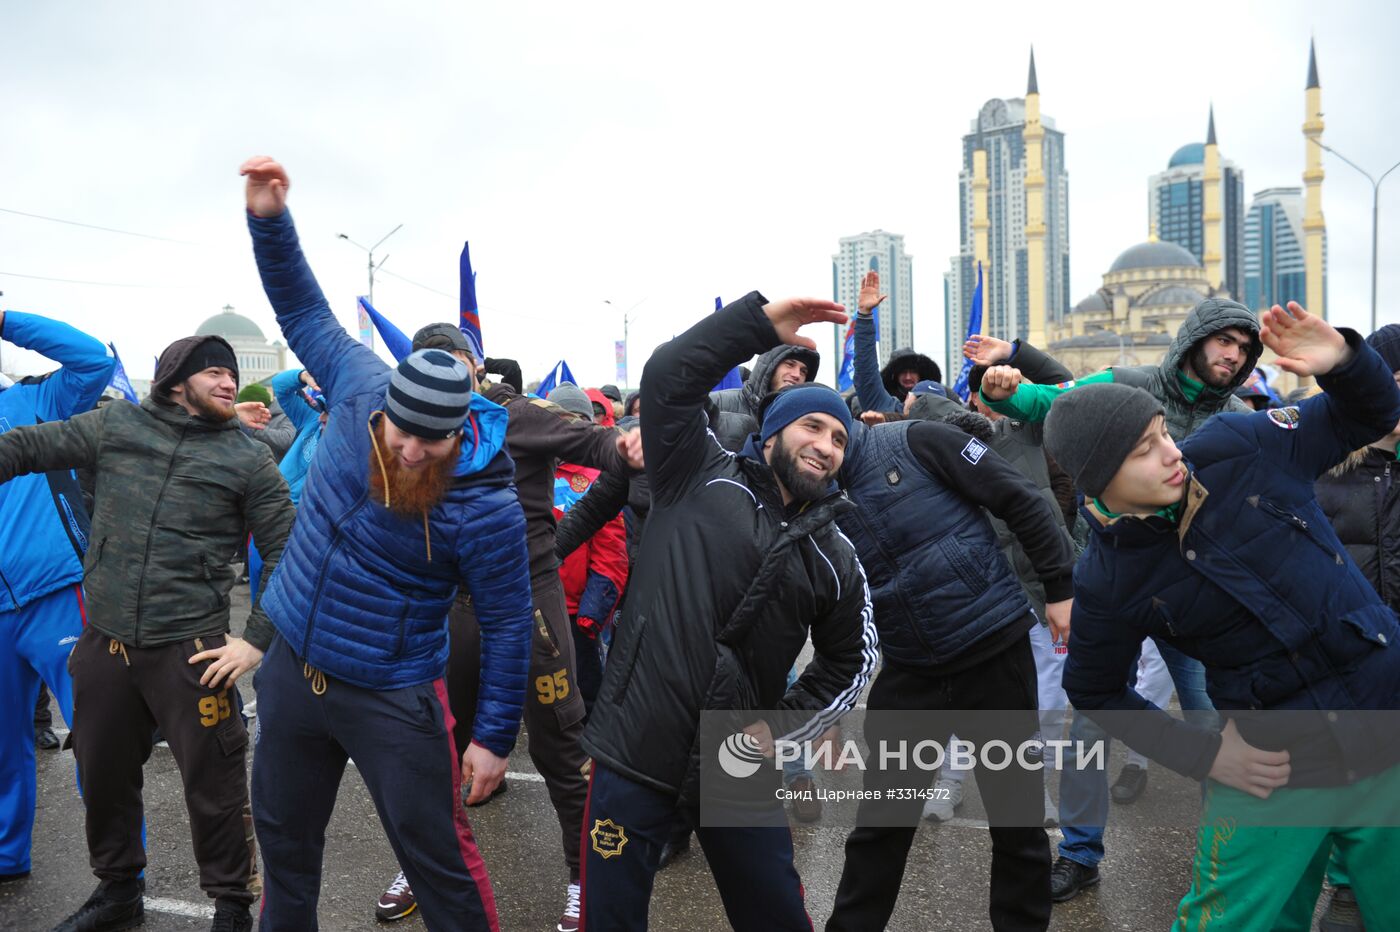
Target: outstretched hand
253,414
870,297
267,186
791,314
1306,345
986,350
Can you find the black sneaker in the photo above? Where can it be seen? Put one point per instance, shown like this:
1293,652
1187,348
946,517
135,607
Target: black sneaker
1342,915
231,917
46,740
675,846
1131,782
105,913
1069,878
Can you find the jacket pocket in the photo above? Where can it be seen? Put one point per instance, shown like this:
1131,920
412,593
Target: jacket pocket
207,574
955,552
1363,631
96,554
1296,522
629,662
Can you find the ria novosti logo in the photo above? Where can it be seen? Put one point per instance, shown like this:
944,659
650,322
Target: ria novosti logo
740,755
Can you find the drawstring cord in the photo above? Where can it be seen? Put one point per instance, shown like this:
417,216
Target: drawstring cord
374,442
117,647
317,678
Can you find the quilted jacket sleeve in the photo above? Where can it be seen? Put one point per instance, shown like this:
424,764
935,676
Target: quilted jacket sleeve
342,366
268,514
495,568
870,388
1359,404
286,388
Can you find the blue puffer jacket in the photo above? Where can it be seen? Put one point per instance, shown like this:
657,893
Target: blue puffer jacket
1253,582
938,579
43,524
286,388
362,593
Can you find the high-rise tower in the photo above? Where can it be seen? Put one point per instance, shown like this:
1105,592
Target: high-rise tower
1014,218
1314,226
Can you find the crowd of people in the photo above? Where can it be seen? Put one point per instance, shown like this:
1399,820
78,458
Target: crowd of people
437,555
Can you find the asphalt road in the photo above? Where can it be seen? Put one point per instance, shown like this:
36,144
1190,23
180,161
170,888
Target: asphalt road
945,888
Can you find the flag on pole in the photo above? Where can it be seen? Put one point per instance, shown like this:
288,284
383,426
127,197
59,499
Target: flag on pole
621,351
398,345
469,318
560,373
974,326
119,380
731,379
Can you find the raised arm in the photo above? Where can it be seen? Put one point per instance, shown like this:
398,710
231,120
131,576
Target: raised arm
341,364
86,364
1359,404
678,378
870,388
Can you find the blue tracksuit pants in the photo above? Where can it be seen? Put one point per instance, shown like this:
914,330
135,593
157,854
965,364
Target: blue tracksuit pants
309,725
34,645
625,826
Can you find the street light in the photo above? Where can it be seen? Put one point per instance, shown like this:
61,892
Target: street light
1375,215
370,250
626,346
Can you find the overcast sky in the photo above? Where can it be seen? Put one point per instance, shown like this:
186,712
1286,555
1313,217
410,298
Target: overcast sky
645,154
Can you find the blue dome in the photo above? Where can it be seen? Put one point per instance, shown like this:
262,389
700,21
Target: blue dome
1193,153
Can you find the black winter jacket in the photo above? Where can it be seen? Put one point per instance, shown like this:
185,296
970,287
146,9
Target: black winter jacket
728,583
1361,498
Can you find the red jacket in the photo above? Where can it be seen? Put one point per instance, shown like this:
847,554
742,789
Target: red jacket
595,574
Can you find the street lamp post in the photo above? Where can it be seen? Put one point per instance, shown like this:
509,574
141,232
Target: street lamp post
1375,216
626,346
370,250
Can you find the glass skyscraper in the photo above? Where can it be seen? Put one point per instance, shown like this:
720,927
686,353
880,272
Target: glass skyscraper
1274,270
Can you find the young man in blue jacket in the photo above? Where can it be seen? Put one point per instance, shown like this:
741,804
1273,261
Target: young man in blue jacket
411,494
1217,546
43,536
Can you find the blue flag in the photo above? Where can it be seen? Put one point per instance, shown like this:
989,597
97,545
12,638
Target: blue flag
119,380
731,379
974,325
469,318
398,345
560,373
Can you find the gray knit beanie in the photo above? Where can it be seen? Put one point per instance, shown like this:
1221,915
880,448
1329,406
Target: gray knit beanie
429,395
1091,429
571,398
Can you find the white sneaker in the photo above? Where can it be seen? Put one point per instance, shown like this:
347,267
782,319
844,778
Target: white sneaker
569,921
946,798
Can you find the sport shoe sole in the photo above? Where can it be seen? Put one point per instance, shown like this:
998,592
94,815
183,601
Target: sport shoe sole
385,914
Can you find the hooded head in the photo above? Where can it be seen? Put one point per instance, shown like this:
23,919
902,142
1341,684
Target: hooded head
200,374
907,368
1207,319
1386,342
780,364
602,407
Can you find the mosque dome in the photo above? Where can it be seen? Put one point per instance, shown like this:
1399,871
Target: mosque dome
1153,254
1193,153
230,326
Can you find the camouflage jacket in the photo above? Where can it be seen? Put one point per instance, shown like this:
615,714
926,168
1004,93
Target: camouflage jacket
175,496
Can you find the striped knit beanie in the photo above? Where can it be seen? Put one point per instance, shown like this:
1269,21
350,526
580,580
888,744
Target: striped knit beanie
429,394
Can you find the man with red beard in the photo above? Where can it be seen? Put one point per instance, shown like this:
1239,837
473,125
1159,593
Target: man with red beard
177,485
409,493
